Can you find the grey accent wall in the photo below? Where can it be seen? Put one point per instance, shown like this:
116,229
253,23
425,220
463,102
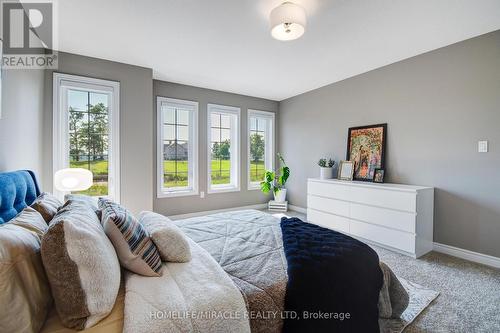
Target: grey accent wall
437,106
183,205
21,123
136,123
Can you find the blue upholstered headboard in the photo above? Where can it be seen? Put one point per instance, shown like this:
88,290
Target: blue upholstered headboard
18,189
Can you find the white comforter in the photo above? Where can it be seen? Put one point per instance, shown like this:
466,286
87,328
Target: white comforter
197,296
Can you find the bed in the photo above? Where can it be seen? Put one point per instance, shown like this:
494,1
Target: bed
247,246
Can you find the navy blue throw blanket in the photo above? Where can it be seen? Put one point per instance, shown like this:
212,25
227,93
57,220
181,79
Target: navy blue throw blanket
333,281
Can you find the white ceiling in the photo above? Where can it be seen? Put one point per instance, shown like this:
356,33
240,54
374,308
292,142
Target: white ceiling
226,44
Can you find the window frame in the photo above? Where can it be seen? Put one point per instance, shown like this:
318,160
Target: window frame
270,139
161,192
235,151
60,130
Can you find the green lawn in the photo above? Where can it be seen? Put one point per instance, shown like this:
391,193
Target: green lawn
97,167
97,190
224,175
100,171
173,179
218,177
257,171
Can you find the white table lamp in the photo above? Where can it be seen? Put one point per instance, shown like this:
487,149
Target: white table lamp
73,179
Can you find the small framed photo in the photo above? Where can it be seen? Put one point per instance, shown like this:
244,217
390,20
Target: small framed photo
378,176
346,170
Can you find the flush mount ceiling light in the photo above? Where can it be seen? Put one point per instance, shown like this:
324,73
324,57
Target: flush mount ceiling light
288,21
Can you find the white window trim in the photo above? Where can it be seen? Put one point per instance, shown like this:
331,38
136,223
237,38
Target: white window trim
161,192
60,130
235,171
270,146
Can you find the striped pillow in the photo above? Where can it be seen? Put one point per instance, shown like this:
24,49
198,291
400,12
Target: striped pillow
135,249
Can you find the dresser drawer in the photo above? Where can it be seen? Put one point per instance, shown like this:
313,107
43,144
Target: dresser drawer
329,190
326,205
329,221
385,217
399,200
397,239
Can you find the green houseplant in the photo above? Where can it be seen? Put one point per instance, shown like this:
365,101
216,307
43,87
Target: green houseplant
326,168
276,180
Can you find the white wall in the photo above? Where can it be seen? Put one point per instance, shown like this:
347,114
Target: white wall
22,121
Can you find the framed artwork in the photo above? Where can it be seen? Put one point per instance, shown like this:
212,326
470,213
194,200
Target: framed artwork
346,170
366,148
378,176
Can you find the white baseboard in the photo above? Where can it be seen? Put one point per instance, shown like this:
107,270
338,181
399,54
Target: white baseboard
468,255
208,212
297,209
215,211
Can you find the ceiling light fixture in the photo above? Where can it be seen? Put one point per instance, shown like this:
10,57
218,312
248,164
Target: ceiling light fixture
288,21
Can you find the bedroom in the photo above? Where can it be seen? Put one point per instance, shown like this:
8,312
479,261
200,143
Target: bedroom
183,116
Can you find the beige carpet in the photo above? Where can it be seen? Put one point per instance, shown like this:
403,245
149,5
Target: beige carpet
469,299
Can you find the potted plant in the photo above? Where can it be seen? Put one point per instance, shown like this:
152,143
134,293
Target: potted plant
326,168
276,180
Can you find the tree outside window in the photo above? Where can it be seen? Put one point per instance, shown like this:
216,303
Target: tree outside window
88,137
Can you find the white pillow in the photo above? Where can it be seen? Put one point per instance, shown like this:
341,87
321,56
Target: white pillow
168,238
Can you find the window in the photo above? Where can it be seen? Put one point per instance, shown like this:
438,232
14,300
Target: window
86,132
223,150
177,147
260,146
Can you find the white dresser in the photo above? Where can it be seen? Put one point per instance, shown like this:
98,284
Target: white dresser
398,217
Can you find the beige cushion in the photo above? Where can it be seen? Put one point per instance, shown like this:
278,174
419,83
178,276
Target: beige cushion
169,239
24,290
47,205
132,243
81,265
91,201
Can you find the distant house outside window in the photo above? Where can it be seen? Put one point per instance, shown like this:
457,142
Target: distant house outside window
177,147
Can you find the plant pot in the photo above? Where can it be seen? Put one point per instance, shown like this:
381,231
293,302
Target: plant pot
325,173
280,196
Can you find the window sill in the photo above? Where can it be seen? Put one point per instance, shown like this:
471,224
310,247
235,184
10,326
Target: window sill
174,194
223,189
253,186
